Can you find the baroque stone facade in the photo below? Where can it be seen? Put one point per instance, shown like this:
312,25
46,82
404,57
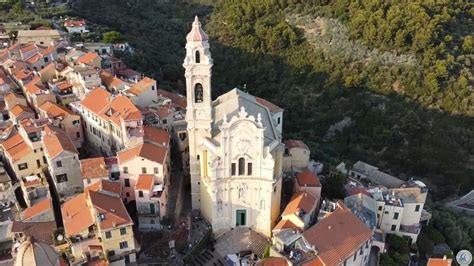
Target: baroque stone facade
235,149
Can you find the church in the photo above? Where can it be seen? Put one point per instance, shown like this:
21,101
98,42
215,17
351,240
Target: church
235,148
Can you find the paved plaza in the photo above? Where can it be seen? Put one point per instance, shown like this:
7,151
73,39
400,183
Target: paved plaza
241,239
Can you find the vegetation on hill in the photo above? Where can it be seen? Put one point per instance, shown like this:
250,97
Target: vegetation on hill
15,10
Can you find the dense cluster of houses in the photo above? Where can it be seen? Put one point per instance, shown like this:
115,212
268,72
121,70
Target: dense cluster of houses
81,135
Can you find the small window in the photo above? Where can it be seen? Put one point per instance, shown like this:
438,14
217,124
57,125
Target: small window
155,170
126,182
78,135
278,120
123,231
108,234
127,194
165,121
111,253
22,166
44,159
125,170
140,194
380,208
59,164
394,227
89,181
417,208
395,216
386,212
355,255
249,169
123,244
143,170
61,178
233,169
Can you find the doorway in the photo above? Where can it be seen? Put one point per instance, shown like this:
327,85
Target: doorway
241,218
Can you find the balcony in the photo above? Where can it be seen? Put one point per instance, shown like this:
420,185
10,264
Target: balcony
411,229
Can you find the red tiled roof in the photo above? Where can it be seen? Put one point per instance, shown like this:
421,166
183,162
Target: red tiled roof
145,182
75,23
301,201
157,135
272,261
271,107
292,143
16,148
338,236
76,215
148,151
142,86
56,141
54,110
38,208
94,168
287,224
106,185
111,208
88,58
175,98
308,178
19,109
41,231
439,262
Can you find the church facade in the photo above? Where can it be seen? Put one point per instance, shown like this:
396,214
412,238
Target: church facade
235,148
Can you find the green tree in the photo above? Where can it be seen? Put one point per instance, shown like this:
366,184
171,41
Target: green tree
112,37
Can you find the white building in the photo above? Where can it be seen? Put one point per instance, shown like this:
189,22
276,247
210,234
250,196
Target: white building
235,149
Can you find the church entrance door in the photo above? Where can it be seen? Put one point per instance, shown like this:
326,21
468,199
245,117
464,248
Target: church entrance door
241,217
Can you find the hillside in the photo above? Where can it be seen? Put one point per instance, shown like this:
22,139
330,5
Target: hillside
409,102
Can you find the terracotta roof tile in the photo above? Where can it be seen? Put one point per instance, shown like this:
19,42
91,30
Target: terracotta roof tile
148,151
157,135
338,236
106,185
16,148
75,23
56,141
145,182
38,208
271,107
76,215
292,143
94,168
111,208
19,109
287,224
272,261
142,86
41,231
54,110
308,178
439,262
88,58
301,201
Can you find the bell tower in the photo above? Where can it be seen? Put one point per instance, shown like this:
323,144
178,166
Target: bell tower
198,65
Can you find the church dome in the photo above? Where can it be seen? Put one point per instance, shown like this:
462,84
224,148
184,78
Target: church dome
34,253
197,34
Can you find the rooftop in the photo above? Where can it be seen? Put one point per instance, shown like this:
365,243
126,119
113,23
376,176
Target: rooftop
338,236
308,178
94,168
57,141
148,151
301,203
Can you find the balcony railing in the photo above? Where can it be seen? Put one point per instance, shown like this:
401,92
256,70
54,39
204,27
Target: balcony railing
412,229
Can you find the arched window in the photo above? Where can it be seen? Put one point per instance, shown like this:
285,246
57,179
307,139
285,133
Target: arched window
198,93
197,57
241,166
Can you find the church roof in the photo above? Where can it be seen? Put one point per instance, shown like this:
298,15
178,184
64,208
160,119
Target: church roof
229,105
197,34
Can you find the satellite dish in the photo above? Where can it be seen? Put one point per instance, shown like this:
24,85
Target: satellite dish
60,237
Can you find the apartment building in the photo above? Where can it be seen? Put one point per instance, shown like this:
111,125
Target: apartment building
111,123
99,168
98,227
63,162
296,155
151,202
143,93
60,116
